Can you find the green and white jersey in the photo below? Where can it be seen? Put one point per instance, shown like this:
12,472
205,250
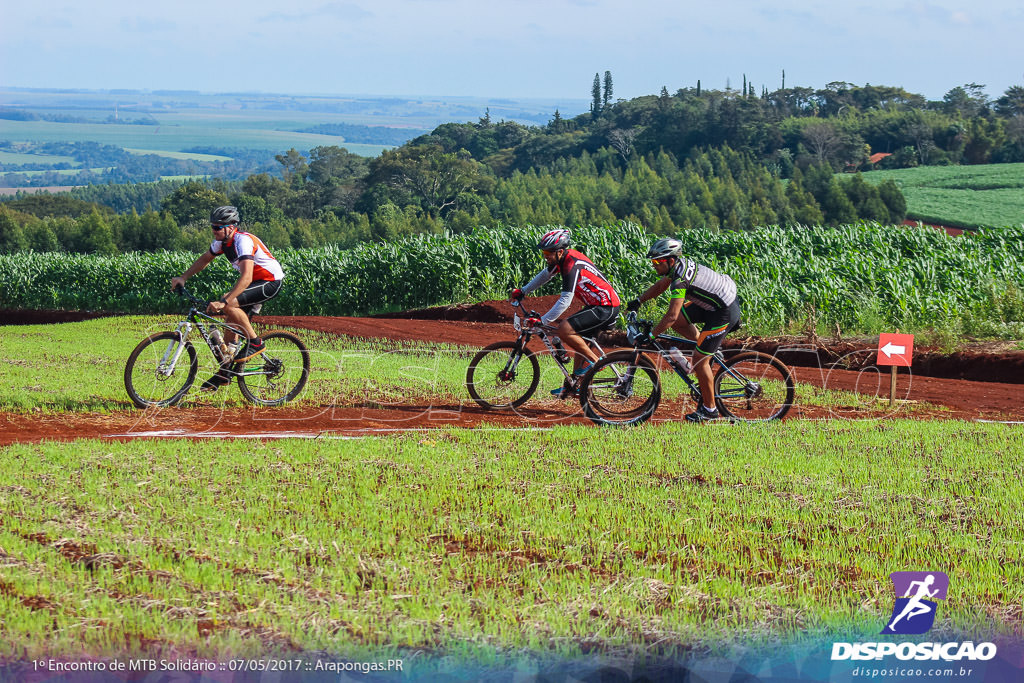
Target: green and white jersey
701,286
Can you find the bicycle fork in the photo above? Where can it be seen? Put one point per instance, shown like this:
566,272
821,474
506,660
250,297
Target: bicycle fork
624,381
174,350
509,372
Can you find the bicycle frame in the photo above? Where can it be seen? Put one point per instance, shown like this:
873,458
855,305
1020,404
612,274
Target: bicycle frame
545,332
195,319
637,329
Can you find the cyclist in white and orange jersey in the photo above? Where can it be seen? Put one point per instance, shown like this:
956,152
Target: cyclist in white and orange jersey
259,280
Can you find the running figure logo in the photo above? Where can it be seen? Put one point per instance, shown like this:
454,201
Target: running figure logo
916,592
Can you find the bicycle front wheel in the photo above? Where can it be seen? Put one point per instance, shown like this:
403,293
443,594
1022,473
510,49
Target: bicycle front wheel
623,388
754,386
277,375
159,372
499,378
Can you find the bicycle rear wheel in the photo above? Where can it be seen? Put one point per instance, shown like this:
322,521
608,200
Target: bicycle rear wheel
280,372
623,388
497,377
754,386
149,376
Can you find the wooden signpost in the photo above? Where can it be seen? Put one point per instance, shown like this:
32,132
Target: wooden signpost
894,350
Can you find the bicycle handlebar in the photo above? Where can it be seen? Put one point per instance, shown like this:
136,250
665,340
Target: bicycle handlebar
185,294
638,328
532,314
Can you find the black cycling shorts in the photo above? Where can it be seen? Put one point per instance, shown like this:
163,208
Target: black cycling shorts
257,293
593,319
714,324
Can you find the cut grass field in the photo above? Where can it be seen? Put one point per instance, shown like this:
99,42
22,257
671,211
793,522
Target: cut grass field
961,196
79,367
63,171
492,543
180,155
178,133
18,158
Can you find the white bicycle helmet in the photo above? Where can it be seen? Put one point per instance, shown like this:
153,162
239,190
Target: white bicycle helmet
666,247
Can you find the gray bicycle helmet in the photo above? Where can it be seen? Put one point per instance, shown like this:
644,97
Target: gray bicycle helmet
225,215
555,240
666,247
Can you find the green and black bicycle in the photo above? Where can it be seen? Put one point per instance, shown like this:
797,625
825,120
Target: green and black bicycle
163,367
625,387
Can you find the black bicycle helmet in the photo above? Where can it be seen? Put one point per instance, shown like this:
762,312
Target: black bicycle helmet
555,240
225,215
666,247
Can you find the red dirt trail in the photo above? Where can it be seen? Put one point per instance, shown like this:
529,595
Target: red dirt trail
938,387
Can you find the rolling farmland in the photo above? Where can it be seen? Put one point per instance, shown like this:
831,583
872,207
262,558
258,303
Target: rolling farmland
989,195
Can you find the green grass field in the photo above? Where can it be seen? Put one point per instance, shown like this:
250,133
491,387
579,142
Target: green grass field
177,133
484,545
18,158
180,155
493,543
67,171
961,196
78,367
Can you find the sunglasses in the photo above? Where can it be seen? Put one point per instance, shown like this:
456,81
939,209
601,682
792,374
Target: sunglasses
216,228
656,261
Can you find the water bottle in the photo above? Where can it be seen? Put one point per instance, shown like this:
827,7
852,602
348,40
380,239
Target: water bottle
681,359
560,351
218,342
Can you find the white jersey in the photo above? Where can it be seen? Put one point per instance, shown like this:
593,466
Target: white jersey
701,286
244,246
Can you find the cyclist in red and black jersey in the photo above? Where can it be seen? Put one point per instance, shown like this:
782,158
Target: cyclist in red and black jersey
259,280
580,278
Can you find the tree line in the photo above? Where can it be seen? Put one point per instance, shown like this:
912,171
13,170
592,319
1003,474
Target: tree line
698,158
714,189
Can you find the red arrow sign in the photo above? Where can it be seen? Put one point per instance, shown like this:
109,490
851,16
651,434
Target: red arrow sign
895,349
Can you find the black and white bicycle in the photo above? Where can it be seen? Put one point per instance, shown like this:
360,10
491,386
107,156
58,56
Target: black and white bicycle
625,387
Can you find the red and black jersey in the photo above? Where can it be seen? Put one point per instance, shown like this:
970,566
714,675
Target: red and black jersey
581,277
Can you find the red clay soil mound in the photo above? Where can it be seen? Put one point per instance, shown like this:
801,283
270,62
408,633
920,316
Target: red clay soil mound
483,312
983,366
1006,367
20,317
486,312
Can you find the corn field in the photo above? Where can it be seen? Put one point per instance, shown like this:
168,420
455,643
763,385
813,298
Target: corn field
859,277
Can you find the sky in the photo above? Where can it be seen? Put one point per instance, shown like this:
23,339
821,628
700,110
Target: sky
516,49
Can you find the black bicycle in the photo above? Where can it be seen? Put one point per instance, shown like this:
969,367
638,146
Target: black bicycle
506,374
625,387
162,368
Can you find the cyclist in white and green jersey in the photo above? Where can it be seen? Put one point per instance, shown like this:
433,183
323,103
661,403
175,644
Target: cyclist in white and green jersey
703,296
